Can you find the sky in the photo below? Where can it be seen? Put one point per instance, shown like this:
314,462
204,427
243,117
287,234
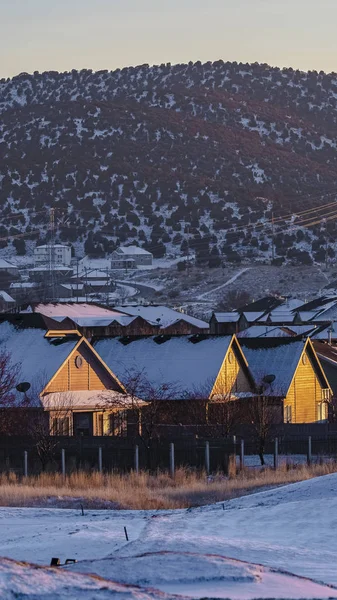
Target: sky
60,35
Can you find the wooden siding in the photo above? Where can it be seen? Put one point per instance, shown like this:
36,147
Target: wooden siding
231,376
90,376
305,393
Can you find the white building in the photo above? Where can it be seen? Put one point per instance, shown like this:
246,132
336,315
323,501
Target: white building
62,255
137,255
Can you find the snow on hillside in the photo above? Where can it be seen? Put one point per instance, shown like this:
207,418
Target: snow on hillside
275,544
164,154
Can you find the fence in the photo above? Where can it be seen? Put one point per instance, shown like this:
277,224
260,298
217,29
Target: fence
105,454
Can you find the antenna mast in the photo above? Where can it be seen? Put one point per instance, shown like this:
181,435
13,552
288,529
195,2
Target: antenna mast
52,254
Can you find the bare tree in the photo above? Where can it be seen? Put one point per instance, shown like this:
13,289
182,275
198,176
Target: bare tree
10,398
234,299
263,411
51,419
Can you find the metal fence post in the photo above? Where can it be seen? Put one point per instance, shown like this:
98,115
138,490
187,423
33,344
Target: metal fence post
242,455
137,459
172,459
309,451
100,459
276,454
63,458
207,462
25,463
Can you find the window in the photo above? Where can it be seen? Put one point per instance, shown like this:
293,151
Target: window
304,359
78,362
119,423
287,414
325,394
230,357
60,426
322,411
99,424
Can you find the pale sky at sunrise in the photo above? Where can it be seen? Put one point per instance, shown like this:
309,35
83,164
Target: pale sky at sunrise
105,34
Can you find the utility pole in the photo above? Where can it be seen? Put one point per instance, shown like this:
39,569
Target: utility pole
77,279
188,250
272,238
52,253
325,228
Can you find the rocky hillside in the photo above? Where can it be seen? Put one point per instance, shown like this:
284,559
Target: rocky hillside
159,155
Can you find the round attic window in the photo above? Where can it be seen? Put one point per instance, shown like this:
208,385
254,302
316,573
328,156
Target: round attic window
78,362
304,359
230,357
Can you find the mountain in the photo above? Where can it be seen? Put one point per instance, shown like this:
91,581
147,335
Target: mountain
160,155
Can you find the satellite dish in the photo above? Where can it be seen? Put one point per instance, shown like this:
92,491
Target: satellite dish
23,387
268,379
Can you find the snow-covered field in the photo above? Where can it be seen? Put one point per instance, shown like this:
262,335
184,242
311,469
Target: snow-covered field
276,544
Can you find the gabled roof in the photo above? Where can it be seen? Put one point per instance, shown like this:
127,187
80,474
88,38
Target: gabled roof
187,364
268,303
37,358
279,357
68,309
130,250
261,331
318,304
162,316
251,317
6,297
227,317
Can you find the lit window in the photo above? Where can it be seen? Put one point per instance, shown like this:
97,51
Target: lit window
287,414
322,411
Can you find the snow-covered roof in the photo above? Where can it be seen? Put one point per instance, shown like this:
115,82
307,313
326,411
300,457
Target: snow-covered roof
72,286
73,310
4,264
6,297
47,268
37,358
132,250
323,333
257,331
254,316
285,316
123,320
287,305
161,315
189,367
307,315
23,285
277,357
89,399
55,246
227,317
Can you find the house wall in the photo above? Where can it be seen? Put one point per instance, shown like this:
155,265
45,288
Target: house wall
305,393
231,377
90,376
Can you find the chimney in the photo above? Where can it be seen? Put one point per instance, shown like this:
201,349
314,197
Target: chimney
330,330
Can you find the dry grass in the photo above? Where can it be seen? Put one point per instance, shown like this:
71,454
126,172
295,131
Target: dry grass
146,491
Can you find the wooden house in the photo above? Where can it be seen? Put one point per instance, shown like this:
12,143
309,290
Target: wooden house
62,375
183,377
289,372
227,323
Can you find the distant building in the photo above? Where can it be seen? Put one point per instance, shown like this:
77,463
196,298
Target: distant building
123,254
9,269
6,301
62,255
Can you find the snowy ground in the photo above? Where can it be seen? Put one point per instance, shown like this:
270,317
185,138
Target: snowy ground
276,544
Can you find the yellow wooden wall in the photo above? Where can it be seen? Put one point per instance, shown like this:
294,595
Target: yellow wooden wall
305,393
91,375
231,377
